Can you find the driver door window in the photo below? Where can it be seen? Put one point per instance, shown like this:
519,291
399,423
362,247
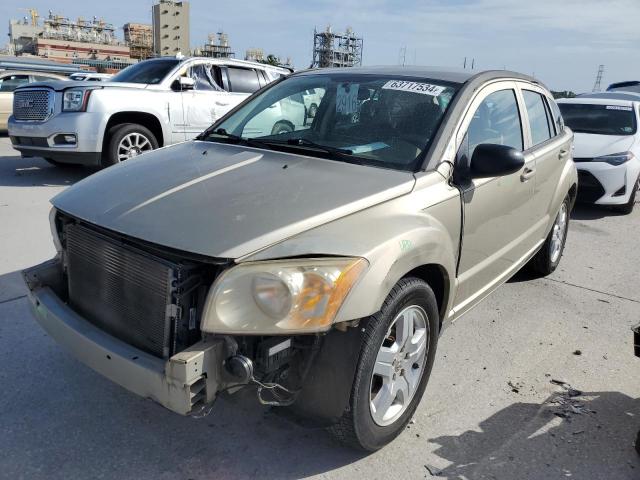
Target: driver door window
497,121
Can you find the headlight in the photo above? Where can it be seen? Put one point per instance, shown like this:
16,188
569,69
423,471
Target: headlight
284,297
615,159
75,100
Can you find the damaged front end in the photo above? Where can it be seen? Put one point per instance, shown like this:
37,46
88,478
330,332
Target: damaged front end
133,313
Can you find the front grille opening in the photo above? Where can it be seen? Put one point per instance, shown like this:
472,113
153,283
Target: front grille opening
148,301
33,104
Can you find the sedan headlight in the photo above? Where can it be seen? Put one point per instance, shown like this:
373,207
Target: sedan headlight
280,297
75,99
615,159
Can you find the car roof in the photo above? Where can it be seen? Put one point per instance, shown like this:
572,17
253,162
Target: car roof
222,61
616,98
446,74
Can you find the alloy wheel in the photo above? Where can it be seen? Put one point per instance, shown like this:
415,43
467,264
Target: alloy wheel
558,233
399,365
132,145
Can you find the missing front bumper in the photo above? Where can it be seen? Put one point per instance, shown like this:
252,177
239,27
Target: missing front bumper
184,383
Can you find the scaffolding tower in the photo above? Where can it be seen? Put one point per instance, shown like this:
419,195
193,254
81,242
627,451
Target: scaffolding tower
598,85
332,49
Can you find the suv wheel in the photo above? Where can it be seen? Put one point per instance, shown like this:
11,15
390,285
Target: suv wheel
627,208
396,358
282,127
126,141
548,257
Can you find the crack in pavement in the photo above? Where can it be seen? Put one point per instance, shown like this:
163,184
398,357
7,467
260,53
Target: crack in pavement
593,290
12,299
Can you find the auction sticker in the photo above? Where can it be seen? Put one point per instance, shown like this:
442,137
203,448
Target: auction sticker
619,107
414,87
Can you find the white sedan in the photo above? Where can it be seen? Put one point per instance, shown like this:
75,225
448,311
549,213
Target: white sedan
607,146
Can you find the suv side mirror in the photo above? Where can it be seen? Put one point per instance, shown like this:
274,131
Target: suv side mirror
184,83
491,160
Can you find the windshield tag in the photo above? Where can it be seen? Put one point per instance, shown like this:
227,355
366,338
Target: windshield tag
619,107
347,98
414,87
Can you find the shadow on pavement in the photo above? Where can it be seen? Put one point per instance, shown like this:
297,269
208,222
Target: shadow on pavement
565,436
29,172
583,211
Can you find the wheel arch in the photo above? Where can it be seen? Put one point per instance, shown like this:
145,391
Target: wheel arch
147,120
436,276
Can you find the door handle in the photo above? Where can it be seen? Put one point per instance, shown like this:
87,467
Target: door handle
563,154
527,174
221,104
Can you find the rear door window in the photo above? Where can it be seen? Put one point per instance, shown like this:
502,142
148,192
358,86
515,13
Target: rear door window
541,130
496,121
243,80
556,116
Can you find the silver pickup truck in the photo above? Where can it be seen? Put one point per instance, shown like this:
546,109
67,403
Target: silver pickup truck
317,266
151,104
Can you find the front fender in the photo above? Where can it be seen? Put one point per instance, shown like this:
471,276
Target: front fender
394,237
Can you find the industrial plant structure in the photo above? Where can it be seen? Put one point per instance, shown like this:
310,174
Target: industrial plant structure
332,49
91,43
217,46
139,37
171,28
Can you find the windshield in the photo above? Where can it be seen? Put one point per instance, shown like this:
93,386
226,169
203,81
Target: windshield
599,119
385,121
149,71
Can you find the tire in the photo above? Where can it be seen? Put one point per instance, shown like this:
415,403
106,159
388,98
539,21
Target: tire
627,208
547,259
358,427
281,127
117,143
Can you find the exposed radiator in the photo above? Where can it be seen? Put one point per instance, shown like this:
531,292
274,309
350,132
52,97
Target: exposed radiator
130,294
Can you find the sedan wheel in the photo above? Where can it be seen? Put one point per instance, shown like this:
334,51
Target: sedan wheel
399,366
397,354
558,233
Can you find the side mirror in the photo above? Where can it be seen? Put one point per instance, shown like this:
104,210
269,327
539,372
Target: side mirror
490,160
184,83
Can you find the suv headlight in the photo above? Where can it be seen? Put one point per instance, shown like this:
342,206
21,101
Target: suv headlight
616,158
75,99
280,297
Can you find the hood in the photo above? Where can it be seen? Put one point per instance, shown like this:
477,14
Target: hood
226,201
588,145
59,85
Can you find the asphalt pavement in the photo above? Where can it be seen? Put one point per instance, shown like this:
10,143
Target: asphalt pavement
538,382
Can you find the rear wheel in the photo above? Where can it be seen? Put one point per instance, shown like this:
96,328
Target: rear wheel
548,257
281,127
395,362
627,208
126,141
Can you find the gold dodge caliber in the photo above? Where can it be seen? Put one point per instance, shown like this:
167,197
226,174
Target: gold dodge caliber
319,264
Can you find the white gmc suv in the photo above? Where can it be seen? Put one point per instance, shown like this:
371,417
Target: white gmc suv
151,104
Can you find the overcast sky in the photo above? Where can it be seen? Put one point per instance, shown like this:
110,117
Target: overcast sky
561,42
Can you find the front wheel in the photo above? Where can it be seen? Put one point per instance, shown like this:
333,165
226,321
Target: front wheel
548,257
126,141
395,362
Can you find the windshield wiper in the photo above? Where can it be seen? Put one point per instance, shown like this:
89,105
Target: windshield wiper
252,142
343,153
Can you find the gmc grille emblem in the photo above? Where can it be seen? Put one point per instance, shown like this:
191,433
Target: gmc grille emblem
24,103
